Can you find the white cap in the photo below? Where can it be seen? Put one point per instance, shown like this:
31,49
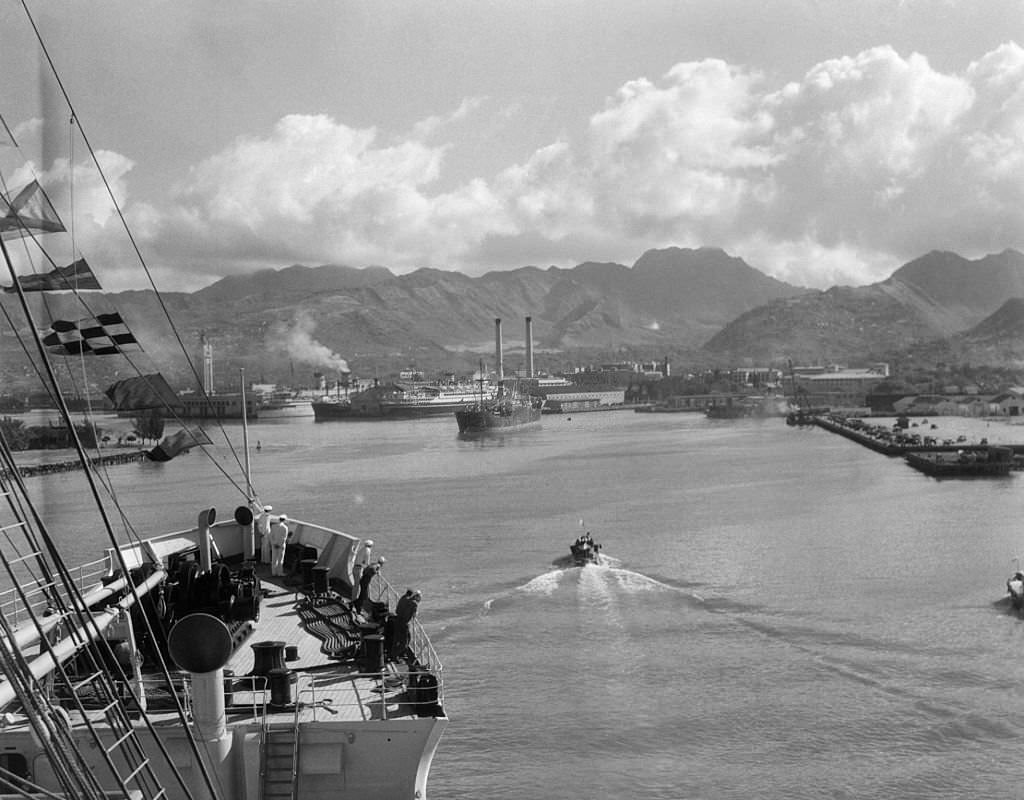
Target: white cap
283,518
369,542
268,508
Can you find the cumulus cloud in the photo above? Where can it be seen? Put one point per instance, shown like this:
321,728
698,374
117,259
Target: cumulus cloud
93,225
867,161
318,191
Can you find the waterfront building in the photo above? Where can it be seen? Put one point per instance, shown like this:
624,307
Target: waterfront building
573,398
1010,403
960,405
835,386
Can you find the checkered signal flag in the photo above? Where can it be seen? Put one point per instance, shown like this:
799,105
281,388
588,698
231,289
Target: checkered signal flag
106,334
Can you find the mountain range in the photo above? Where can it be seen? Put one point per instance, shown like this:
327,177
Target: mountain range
940,300
697,306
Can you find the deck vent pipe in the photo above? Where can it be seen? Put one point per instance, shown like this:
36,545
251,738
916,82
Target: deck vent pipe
206,518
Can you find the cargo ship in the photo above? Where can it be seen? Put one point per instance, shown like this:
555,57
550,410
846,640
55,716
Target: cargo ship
508,410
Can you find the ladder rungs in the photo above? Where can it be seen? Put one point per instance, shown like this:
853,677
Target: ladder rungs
84,681
137,770
119,742
20,559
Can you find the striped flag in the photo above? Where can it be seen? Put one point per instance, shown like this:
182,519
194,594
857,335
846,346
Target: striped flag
105,335
77,276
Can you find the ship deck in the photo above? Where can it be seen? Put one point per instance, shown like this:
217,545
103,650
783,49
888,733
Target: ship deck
332,679
327,685
335,672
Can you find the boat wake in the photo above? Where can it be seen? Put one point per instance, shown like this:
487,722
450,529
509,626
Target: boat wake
545,584
599,582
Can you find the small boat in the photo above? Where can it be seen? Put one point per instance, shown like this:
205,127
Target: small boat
1015,588
585,551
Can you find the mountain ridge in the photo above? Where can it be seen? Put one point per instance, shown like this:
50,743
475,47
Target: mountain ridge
697,306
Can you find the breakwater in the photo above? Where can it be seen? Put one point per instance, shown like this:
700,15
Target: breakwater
33,470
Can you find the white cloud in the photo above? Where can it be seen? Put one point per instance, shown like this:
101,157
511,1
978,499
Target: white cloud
317,191
93,227
867,161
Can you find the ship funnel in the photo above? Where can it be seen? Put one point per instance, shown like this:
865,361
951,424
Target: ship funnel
529,347
497,349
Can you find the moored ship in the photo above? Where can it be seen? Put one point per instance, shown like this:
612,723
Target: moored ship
328,408
976,462
277,402
398,401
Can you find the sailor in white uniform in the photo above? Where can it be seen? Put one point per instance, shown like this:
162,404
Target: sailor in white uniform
263,533
278,540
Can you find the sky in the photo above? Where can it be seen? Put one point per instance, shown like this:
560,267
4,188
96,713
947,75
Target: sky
823,141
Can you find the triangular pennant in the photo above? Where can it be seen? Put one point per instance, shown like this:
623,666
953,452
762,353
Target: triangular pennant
30,210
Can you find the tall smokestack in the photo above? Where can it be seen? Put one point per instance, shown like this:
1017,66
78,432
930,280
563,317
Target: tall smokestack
529,347
207,364
497,349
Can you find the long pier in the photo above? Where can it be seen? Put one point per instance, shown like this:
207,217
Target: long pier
884,441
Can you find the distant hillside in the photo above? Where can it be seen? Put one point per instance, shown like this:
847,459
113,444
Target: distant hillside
954,293
998,339
700,307
1005,324
282,325
928,299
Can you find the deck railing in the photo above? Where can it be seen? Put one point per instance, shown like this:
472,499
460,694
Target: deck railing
320,703
419,642
38,594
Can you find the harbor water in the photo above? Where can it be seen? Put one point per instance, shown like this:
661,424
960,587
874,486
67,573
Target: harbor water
783,613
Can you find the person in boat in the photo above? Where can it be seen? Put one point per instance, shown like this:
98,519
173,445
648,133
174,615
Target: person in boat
1015,587
278,539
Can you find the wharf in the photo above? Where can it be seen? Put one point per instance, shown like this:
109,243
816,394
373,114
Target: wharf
911,445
